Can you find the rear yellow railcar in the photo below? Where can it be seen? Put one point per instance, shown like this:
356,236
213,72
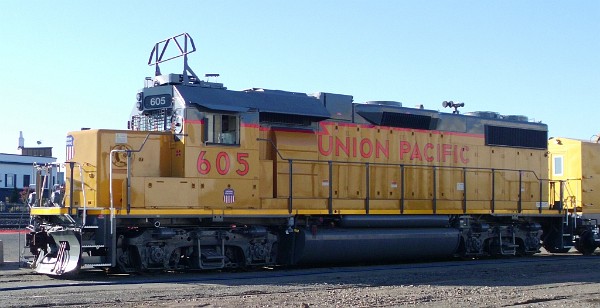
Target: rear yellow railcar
575,180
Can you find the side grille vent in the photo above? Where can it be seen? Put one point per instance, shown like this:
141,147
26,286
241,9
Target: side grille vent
516,137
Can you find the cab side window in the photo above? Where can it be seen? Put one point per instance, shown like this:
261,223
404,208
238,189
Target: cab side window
222,129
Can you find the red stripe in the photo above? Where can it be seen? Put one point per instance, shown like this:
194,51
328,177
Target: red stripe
13,231
292,130
194,121
325,129
249,125
287,130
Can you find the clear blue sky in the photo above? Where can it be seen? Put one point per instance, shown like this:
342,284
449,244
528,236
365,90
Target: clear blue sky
71,64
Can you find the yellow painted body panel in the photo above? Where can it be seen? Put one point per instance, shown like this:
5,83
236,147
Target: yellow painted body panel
409,171
351,146
91,158
580,173
48,211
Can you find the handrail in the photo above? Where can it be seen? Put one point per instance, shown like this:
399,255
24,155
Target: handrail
47,168
562,187
110,178
71,191
83,193
272,145
41,194
397,164
402,166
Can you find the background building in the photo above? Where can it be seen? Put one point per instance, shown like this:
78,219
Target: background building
17,172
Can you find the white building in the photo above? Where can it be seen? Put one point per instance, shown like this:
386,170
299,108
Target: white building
17,172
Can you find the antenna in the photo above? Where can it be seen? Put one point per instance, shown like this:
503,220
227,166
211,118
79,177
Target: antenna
182,41
208,76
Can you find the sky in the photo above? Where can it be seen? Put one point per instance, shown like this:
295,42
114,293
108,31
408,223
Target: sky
65,65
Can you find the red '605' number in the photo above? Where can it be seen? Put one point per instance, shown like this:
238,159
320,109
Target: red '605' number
223,163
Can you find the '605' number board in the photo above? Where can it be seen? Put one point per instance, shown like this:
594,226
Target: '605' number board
157,101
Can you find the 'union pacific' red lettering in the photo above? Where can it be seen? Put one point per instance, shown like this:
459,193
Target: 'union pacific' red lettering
446,151
366,152
404,148
428,157
322,150
416,153
381,149
344,146
407,151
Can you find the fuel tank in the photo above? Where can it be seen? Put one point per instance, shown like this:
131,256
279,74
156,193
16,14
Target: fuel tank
345,245
395,221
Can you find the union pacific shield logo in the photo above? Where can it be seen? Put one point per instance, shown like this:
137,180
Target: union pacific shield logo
228,196
70,148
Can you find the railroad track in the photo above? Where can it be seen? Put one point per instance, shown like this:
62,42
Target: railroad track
544,279
14,220
101,278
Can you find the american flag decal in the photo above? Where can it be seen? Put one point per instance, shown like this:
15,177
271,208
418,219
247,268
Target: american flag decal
70,148
228,196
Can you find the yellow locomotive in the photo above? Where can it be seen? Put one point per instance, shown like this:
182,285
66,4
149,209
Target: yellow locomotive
209,178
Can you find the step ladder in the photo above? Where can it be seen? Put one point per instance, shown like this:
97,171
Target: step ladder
91,245
567,230
211,258
507,247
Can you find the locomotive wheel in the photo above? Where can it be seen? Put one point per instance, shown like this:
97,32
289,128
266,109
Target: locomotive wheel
552,243
235,256
557,250
274,252
586,244
553,247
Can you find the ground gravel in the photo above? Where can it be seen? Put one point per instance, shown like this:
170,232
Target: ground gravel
546,280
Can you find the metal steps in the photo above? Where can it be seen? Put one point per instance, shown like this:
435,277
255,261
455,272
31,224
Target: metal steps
568,238
93,246
94,265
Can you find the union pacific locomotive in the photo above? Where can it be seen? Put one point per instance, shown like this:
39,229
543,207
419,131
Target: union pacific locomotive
209,178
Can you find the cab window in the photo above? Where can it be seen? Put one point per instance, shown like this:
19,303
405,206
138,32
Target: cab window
222,129
557,169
